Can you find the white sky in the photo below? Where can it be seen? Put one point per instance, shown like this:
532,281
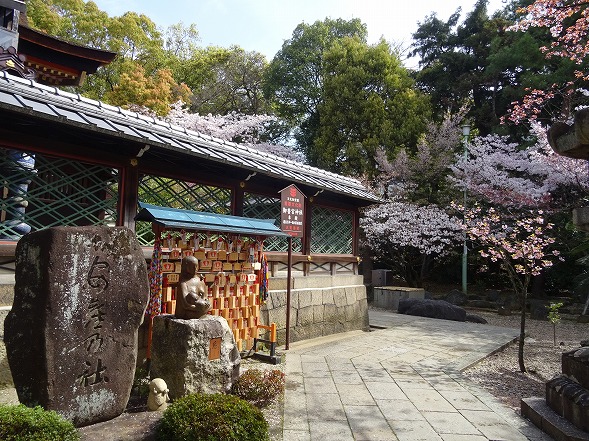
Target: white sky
263,25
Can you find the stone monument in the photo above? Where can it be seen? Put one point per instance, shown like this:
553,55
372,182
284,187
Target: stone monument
71,336
194,356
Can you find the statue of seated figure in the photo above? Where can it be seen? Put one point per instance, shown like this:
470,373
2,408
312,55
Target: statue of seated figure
191,296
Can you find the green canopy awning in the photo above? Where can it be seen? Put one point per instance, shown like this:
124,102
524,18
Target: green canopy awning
174,218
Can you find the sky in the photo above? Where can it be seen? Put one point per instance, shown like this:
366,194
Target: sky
264,25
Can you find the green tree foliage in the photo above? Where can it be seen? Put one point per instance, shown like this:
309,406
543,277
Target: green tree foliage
342,97
155,92
141,61
453,60
368,101
224,80
294,78
480,64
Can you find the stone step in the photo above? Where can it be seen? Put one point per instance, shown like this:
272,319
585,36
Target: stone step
569,400
538,412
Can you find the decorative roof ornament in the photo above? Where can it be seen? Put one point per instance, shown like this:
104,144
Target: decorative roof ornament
14,64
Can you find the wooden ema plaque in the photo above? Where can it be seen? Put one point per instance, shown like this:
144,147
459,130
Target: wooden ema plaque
215,348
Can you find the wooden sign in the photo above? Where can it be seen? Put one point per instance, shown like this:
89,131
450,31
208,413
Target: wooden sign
292,211
215,348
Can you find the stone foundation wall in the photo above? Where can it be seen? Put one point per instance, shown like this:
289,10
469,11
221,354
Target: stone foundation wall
320,305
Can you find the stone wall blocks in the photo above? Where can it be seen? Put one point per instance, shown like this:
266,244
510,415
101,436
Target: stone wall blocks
318,314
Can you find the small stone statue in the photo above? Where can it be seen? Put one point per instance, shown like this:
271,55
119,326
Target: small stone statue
158,395
191,299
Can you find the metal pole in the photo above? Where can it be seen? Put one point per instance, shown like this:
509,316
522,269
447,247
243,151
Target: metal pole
465,133
288,277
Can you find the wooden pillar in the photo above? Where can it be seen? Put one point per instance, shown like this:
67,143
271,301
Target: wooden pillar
356,232
128,195
237,198
308,231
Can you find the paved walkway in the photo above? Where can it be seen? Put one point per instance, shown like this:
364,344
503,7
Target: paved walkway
399,383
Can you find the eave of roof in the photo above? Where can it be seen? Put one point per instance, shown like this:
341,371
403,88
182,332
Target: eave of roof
97,57
51,103
202,221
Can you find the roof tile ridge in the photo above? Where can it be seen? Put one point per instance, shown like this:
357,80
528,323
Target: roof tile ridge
162,124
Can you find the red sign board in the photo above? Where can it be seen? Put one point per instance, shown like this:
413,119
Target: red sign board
292,211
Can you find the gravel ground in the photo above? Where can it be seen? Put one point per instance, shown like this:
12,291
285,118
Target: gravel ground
500,375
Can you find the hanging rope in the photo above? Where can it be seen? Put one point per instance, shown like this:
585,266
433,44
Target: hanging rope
154,307
264,280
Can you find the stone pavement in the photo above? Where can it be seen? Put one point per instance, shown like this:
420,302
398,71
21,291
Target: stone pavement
402,383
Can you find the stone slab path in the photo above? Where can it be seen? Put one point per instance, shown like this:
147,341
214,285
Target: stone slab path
402,382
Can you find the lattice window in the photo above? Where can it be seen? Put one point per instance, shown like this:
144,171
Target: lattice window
331,231
174,193
265,207
40,192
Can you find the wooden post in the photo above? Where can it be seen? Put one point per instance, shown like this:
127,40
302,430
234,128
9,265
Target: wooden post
128,195
288,281
149,338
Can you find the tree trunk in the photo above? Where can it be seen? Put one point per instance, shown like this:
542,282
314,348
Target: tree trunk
522,333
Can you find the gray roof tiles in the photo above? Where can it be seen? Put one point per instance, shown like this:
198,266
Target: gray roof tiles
18,94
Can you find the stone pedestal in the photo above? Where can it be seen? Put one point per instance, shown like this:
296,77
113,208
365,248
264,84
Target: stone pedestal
388,297
71,336
194,356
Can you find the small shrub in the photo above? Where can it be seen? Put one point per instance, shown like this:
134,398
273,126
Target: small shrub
214,417
22,423
259,387
554,316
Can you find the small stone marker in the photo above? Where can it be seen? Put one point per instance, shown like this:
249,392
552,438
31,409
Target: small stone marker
71,336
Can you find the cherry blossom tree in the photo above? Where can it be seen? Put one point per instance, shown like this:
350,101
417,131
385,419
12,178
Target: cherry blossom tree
410,231
501,173
422,176
521,245
234,127
519,187
567,21
407,237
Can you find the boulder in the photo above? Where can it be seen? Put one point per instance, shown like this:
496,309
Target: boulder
194,356
473,318
432,308
456,298
71,336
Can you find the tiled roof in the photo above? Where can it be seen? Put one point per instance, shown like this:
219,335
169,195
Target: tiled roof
50,103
